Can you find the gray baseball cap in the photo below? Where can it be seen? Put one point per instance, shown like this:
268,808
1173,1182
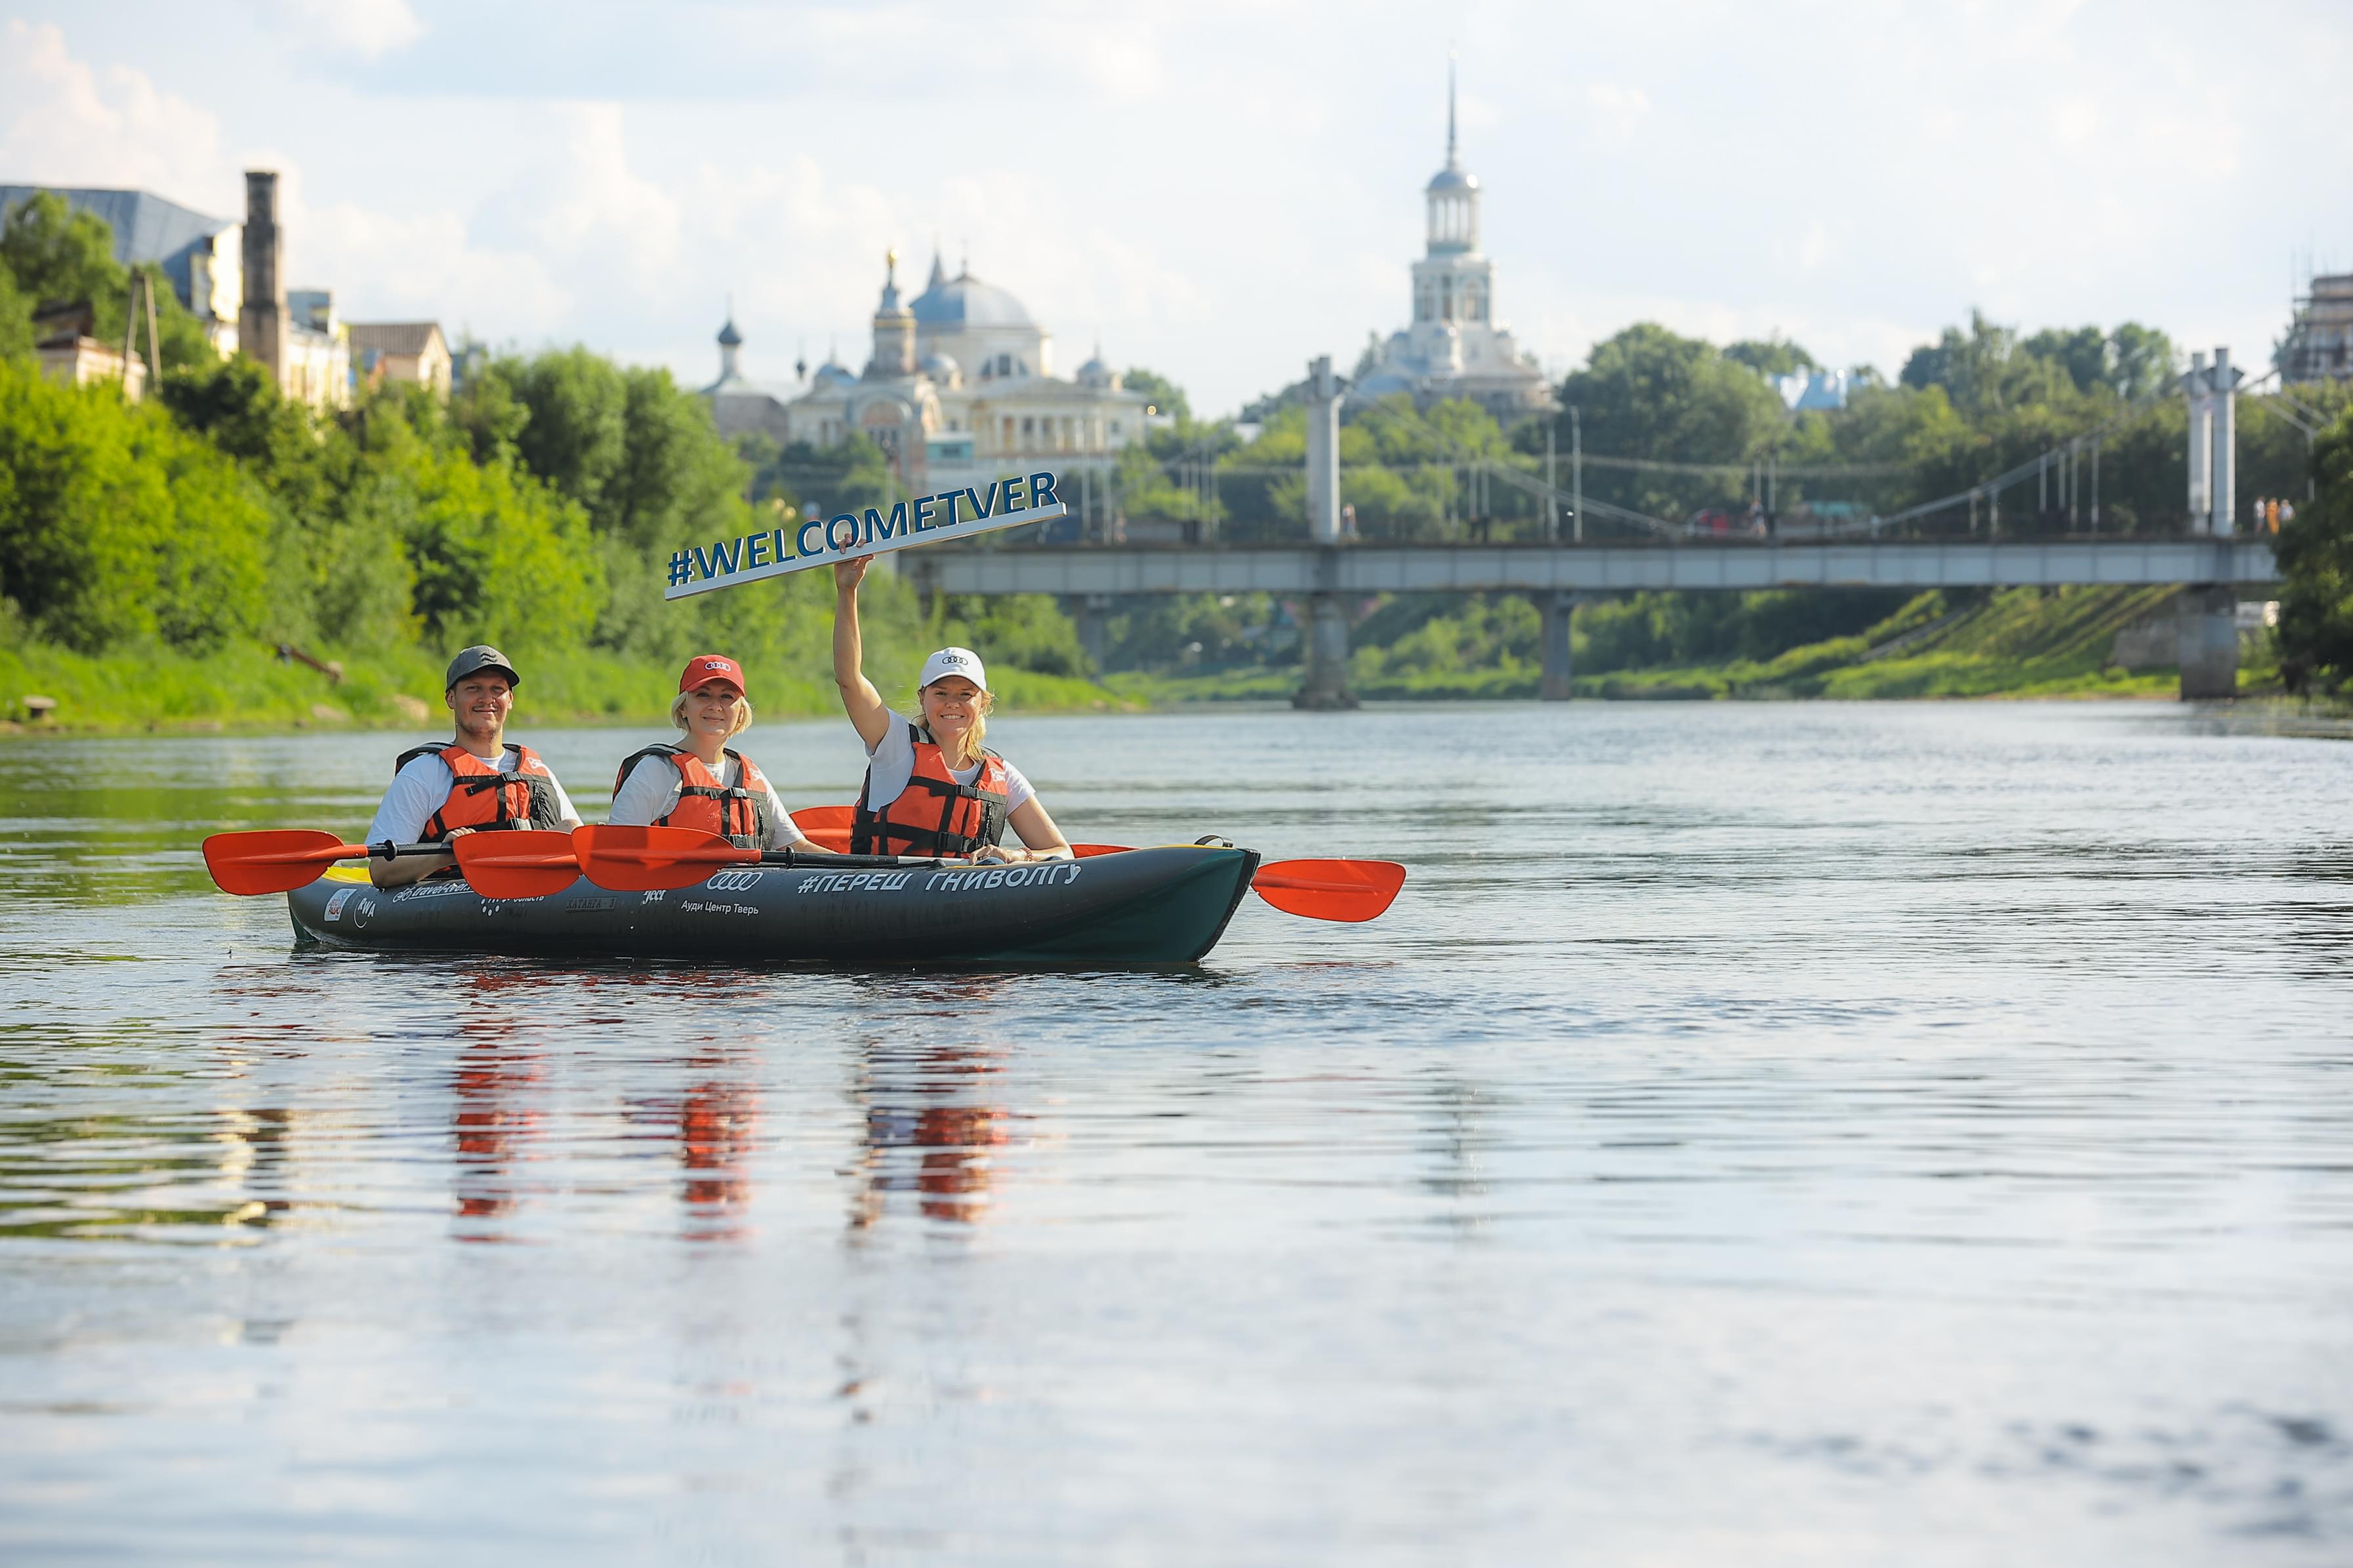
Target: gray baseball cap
480,657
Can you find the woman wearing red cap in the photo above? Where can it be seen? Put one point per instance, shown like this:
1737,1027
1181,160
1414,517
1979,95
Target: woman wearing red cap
703,782
932,788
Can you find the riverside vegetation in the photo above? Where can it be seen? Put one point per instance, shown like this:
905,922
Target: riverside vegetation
154,557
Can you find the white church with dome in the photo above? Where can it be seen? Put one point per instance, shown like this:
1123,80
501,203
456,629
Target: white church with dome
1455,348
959,389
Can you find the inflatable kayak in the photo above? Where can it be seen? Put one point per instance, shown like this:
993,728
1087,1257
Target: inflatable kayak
1140,906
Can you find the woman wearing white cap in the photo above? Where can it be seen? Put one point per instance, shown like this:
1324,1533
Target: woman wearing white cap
703,782
932,788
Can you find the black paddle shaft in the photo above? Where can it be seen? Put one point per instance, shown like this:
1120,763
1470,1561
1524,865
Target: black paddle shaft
389,850
788,857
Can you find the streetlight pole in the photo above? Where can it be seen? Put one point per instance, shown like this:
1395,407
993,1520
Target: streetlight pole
1576,476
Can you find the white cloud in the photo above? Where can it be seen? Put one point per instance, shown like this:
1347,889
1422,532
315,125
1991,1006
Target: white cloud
66,123
585,201
1857,179
386,266
369,27
1812,249
1616,108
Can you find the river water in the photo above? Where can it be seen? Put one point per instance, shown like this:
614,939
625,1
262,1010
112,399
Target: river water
1760,1134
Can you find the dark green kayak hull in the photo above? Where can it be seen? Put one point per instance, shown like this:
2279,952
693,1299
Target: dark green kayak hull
1143,907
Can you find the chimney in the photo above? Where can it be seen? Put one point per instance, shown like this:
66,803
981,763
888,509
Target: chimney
261,317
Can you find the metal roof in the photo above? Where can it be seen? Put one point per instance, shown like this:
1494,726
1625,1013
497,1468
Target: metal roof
966,302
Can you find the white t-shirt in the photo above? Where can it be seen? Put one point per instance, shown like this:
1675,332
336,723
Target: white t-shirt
651,793
891,764
418,790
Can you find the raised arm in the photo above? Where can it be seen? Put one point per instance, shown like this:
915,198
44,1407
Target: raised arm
858,698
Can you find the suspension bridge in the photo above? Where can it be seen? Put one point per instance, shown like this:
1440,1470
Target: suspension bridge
1561,566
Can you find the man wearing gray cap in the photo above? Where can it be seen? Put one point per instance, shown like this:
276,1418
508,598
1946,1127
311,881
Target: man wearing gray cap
478,782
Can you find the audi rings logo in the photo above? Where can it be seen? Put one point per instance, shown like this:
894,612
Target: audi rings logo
733,881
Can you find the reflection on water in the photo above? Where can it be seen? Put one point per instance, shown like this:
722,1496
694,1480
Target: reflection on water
493,1128
1773,1134
718,1128
924,1133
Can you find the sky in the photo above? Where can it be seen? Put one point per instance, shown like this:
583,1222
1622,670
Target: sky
1220,191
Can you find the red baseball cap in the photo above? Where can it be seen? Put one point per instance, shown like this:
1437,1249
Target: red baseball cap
705,668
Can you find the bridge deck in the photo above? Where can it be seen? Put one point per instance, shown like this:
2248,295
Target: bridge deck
1364,569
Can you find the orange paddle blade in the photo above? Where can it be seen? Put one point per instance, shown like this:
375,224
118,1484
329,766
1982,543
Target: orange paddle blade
1329,890
519,864
645,859
827,826
275,860
1086,851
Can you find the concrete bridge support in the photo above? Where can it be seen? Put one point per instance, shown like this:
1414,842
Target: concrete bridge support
1327,631
1326,687
1559,610
1092,613
2206,627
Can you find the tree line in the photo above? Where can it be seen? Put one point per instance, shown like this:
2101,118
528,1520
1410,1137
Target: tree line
535,507
1673,427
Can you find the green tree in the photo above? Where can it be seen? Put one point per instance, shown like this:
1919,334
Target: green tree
1770,356
117,526
54,254
2315,562
1167,397
1648,392
1027,630
576,436
2141,362
16,317
496,557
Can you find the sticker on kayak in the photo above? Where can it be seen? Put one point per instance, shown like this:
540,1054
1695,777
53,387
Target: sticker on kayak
1050,873
820,542
335,905
444,889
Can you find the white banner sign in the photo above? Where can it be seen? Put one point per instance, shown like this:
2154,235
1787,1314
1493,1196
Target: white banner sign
951,514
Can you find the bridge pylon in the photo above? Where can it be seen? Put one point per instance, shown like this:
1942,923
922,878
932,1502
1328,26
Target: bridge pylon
1327,632
2206,634
1559,664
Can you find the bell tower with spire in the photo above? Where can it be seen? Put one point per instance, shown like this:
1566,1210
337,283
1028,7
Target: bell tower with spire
1454,347
1452,194
1452,283
894,328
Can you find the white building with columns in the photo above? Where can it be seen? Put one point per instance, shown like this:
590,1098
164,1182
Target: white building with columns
1455,348
959,388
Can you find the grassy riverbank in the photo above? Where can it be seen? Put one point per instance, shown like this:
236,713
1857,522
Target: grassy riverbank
249,688
2020,643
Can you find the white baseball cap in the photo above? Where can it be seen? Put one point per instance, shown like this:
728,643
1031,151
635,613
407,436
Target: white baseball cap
954,661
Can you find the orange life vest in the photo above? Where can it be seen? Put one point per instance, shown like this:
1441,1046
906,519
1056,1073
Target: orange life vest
481,796
740,814
933,815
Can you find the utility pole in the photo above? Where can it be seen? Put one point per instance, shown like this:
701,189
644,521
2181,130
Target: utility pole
2095,484
1576,476
2225,414
1552,491
2201,438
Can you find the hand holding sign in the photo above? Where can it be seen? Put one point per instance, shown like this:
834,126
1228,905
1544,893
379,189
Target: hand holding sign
787,548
